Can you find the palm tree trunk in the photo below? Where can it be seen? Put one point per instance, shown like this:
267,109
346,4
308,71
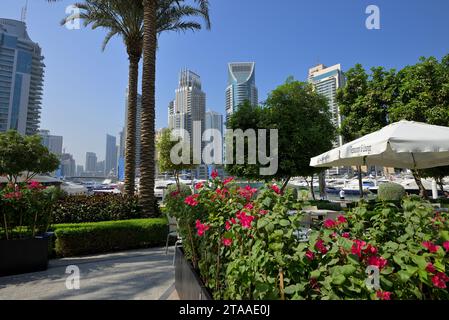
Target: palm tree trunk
130,153
147,165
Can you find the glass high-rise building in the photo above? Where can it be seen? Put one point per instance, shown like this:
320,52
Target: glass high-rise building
91,162
53,143
111,156
241,85
21,78
326,81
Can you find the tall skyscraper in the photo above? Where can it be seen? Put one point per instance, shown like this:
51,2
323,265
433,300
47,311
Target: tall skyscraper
214,120
111,156
79,170
21,78
138,130
68,165
53,143
189,107
91,162
241,85
326,81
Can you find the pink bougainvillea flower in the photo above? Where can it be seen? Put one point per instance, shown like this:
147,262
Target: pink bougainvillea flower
310,255
370,250
446,246
345,235
247,192
430,246
214,174
13,195
383,295
357,247
227,242
245,220
276,189
329,224
228,226
174,193
249,206
199,185
35,185
192,200
321,247
233,221
341,219
379,262
430,268
201,228
263,212
227,180
439,280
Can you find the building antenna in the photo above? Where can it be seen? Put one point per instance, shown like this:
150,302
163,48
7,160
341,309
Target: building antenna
24,12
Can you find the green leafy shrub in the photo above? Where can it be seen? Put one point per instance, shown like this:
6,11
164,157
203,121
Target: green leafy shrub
390,192
326,205
25,210
96,208
246,247
97,237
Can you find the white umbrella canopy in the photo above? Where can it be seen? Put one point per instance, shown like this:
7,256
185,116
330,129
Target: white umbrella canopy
403,144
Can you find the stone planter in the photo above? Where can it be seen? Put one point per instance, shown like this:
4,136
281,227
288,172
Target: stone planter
22,256
188,283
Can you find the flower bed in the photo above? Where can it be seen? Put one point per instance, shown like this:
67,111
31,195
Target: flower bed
245,247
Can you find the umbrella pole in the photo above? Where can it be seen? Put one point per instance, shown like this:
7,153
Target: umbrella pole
359,169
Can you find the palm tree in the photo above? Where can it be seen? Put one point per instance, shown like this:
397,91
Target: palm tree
125,18
174,11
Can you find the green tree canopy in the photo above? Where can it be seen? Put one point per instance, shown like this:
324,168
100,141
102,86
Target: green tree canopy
24,154
304,126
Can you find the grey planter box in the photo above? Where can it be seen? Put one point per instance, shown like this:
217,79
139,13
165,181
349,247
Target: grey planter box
188,284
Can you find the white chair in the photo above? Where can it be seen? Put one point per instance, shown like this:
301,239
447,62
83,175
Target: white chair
172,232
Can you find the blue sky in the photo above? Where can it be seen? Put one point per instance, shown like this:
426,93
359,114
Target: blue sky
84,93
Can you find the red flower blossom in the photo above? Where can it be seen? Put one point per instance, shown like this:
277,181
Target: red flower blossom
263,212
201,228
310,255
320,246
276,189
314,284
228,226
341,219
233,221
245,220
13,195
357,247
191,200
227,242
227,180
439,280
199,185
379,262
247,192
383,295
345,235
329,224
174,193
430,268
430,246
249,206
446,246
370,250
35,185
214,174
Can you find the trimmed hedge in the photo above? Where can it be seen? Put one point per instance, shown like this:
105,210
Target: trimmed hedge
326,205
390,192
96,208
99,237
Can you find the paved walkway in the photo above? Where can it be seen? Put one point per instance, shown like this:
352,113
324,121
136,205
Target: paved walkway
137,274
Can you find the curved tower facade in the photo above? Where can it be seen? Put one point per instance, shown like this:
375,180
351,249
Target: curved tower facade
241,85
